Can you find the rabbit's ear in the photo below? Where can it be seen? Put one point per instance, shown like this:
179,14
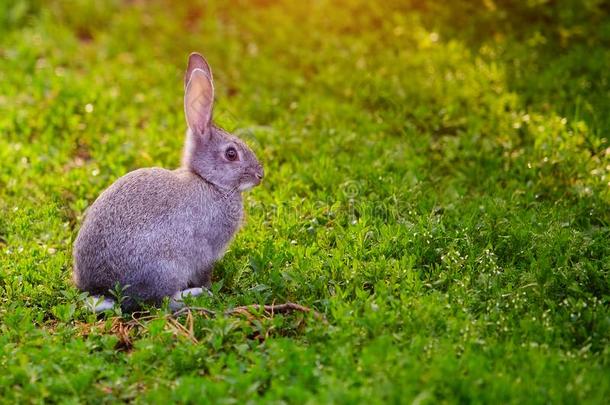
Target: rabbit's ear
198,101
196,61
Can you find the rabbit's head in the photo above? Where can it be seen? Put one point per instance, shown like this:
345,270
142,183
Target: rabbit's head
217,156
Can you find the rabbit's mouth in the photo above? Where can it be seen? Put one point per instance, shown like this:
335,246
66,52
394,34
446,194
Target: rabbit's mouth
250,181
247,185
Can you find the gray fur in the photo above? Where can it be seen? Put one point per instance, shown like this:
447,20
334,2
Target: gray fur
160,231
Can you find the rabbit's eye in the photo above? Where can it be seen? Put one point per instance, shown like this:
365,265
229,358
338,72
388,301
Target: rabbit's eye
231,154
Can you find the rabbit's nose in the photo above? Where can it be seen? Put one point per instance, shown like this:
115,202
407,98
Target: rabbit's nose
259,173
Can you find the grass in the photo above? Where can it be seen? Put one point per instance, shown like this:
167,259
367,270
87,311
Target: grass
437,185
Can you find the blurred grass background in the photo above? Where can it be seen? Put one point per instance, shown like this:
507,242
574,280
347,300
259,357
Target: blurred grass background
437,185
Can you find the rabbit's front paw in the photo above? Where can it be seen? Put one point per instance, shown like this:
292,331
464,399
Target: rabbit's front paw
98,303
177,300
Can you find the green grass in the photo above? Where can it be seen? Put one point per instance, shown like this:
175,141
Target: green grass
437,185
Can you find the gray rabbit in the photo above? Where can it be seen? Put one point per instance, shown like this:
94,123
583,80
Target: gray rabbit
158,232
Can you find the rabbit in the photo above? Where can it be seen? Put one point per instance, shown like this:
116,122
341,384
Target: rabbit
157,233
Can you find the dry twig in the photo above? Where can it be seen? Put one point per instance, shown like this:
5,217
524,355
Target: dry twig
247,310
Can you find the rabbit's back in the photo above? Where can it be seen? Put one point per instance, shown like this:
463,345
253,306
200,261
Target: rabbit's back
157,231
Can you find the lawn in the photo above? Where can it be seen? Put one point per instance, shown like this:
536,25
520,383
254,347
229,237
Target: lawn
437,187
